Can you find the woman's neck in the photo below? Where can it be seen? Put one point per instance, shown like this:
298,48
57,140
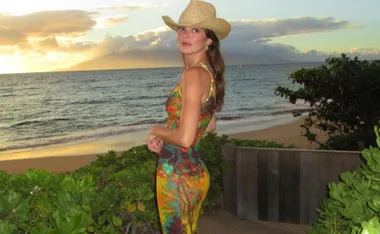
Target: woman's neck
193,60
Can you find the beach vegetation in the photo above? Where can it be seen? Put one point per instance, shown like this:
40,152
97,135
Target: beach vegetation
343,95
113,194
353,204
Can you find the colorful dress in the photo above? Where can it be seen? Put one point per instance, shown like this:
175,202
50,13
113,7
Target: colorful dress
182,178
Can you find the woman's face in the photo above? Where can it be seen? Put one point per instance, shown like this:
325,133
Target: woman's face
192,40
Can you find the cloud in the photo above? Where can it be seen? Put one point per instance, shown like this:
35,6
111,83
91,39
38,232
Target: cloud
151,40
11,37
49,44
253,32
249,40
248,37
137,5
289,26
54,45
365,50
110,21
71,23
122,8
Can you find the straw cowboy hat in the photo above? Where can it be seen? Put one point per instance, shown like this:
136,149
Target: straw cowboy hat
203,15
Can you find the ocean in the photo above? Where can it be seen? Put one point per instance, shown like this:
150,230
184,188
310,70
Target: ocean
43,109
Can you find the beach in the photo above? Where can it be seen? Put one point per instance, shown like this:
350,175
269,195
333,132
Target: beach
69,157
287,134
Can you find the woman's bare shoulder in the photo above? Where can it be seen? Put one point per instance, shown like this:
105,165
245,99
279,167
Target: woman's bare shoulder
194,75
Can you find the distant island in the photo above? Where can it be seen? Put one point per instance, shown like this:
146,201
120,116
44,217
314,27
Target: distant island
165,58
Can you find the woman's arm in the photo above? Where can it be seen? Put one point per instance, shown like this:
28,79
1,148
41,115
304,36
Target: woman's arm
185,134
212,125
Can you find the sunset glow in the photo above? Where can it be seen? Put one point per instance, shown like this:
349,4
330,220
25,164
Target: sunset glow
44,35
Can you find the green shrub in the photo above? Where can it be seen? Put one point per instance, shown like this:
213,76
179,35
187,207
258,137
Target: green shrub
353,205
258,143
343,97
211,148
349,141
113,194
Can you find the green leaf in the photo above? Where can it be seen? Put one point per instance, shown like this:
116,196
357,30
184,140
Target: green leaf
367,155
347,177
102,219
336,191
363,187
90,229
131,207
40,228
372,226
376,129
375,154
374,203
116,221
357,211
372,175
12,204
140,206
7,228
45,204
67,224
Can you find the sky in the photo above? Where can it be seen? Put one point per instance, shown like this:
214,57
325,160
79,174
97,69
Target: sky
45,35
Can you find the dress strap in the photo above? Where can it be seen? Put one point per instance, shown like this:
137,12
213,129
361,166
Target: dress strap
209,69
206,66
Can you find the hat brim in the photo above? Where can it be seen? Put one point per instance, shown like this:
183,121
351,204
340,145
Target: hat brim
219,26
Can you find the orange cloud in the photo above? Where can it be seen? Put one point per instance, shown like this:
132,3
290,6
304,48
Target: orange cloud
16,29
54,45
11,37
49,43
114,20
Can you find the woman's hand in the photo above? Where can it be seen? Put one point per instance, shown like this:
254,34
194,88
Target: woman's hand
154,143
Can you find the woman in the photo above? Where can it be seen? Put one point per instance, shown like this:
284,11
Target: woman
182,177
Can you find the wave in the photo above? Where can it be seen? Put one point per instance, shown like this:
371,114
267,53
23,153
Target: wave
7,95
73,138
108,131
148,121
103,101
300,110
231,117
113,100
147,97
43,121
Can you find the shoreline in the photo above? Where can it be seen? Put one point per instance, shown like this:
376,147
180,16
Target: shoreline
130,134
120,142
124,141
68,158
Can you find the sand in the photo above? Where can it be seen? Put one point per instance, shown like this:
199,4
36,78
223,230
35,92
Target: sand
67,158
288,134
117,143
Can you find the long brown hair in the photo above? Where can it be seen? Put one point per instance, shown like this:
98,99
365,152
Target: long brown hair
217,63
